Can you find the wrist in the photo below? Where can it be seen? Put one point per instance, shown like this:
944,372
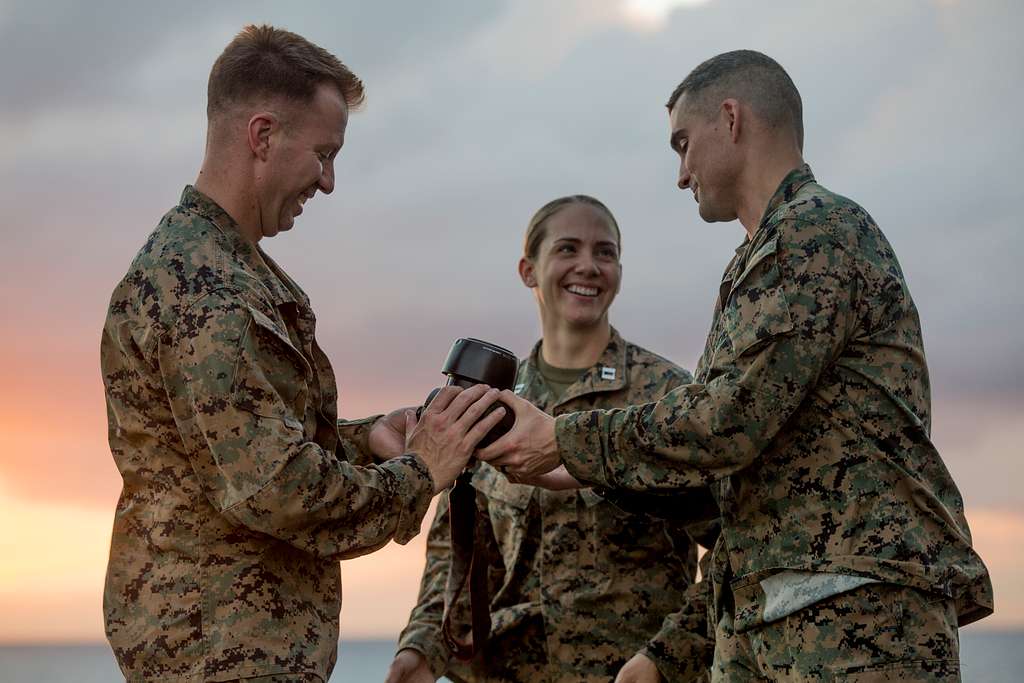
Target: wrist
357,432
551,443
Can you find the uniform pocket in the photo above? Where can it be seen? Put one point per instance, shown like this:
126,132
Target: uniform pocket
496,486
756,316
270,375
765,251
507,510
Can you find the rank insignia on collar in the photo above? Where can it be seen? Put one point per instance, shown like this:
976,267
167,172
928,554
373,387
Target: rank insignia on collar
607,373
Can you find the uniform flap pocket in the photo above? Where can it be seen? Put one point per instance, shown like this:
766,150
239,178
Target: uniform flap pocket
496,486
270,373
758,315
266,327
764,251
269,326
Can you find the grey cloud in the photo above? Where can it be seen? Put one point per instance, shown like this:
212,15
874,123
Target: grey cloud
64,54
53,54
595,121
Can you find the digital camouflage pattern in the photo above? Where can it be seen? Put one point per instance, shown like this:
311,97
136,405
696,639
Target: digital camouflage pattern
810,417
239,496
874,634
578,585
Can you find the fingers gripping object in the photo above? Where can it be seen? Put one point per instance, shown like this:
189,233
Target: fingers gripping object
471,362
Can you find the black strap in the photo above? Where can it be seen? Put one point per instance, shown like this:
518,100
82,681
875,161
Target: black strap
468,565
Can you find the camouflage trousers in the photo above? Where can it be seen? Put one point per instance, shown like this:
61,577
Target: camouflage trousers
878,632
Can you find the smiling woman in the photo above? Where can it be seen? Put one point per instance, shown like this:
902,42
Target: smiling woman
572,264
554,556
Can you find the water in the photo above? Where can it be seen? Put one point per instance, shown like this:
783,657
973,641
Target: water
986,657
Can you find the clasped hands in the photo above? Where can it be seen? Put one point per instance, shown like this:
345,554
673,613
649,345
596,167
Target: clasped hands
449,429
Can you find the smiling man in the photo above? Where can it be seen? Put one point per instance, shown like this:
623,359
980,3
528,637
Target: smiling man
239,493
844,552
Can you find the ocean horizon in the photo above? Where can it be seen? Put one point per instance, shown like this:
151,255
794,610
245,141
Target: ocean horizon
986,657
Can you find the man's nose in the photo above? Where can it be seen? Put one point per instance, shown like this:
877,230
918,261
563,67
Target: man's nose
326,182
684,177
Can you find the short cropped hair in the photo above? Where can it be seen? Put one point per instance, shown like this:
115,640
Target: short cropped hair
536,229
752,77
263,62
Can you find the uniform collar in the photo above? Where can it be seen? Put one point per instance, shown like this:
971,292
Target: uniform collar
790,185
731,272
229,236
607,374
794,181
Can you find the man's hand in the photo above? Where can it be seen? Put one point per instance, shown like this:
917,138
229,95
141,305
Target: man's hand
449,430
639,669
529,449
409,666
387,436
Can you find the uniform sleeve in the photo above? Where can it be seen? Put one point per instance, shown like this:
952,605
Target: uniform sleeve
423,632
354,445
682,650
239,391
688,506
783,324
684,647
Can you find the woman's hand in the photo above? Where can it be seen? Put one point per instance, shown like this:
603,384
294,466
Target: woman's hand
387,436
557,479
639,669
409,666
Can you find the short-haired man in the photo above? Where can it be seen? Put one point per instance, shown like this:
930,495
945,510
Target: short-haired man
240,495
844,548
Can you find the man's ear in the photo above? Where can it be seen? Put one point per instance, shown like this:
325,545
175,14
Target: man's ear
260,127
526,272
733,117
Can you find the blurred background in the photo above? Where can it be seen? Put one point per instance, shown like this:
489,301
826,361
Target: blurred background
477,113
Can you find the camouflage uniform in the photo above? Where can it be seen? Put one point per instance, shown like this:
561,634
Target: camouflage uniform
578,586
239,496
810,417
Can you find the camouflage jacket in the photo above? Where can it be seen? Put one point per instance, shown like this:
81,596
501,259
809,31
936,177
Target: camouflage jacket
239,496
810,415
578,586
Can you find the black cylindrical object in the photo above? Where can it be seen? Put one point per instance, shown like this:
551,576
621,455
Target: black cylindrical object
472,361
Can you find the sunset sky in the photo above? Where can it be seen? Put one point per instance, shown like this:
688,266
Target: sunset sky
477,113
